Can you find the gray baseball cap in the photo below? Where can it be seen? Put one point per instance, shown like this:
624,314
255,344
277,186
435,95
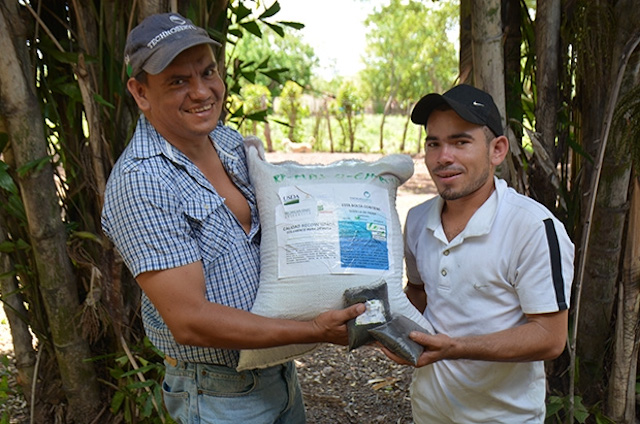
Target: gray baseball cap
158,39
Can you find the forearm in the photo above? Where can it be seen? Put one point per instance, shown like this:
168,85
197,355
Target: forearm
542,338
525,343
193,320
220,326
416,295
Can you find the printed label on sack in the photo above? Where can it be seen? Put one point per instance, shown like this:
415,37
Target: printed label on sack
333,229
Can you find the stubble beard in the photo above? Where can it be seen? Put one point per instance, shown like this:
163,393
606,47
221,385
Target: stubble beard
450,193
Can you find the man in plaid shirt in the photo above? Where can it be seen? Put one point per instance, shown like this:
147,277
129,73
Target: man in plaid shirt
181,211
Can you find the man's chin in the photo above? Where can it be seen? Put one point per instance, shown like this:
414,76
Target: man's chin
449,195
447,192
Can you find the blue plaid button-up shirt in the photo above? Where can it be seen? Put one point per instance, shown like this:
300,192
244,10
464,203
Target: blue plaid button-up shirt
161,212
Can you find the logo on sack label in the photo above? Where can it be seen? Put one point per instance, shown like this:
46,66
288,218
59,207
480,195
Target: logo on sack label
290,199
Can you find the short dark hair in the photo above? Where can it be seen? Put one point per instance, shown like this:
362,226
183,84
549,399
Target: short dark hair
142,77
488,133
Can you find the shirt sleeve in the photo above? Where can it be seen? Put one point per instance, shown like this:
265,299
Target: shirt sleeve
145,221
544,271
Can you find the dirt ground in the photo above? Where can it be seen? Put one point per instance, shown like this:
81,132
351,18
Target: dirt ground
339,387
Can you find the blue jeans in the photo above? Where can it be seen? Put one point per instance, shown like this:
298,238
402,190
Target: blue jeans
206,394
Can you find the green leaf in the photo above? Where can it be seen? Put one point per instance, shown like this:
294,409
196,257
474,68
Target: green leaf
8,274
7,246
4,140
274,74
238,113
252,27
294,25
98,98
34,165
241,12
86,235
275,8
264,63
250,76
243,64
281,122
6,182
116,402
276,28
64,57
237,32
157,394
127,413
70,90
12,246
258,116
22,245
580,411
141,384
147,409
136,371
15,208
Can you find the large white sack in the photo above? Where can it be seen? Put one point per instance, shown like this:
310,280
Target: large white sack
325,228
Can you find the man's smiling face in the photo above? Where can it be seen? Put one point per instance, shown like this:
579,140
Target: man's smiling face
457,155
184,101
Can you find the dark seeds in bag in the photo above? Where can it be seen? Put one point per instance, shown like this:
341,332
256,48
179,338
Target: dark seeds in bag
377,312
394,335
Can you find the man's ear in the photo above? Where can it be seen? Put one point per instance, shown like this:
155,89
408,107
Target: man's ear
499,149
139,92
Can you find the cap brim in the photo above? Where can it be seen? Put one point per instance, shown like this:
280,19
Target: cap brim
157,62
431,102
424,107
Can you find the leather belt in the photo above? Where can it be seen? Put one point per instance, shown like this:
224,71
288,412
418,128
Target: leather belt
171,361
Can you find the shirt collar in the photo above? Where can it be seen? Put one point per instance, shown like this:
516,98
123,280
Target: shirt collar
147,143
479,224
155,144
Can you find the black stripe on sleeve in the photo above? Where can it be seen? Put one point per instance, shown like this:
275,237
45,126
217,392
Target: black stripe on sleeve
556,263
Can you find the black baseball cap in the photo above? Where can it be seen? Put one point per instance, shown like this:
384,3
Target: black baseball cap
158,39
472,104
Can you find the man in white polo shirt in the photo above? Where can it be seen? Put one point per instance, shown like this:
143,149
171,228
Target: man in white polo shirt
490,269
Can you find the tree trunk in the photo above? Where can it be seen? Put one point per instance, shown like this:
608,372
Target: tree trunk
352,132
486,30
17,317
293,116
317,115
488,55
150,7
512,13
547,31
601,263
326,109
405,129
88,83
622,384
385,111
267,137
466,48
48,238
601,273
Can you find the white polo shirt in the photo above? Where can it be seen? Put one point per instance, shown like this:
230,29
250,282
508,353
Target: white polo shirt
513,258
